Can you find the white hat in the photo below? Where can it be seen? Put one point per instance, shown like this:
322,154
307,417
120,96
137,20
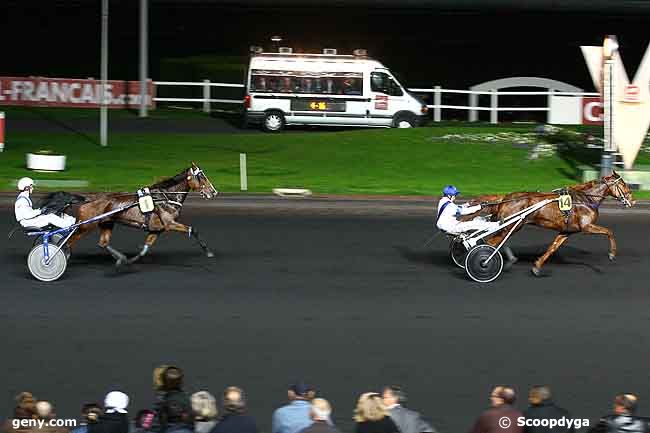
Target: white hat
24,183
116,401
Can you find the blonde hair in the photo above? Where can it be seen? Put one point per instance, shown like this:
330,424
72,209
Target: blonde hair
370,407
204,405
320,409
44,409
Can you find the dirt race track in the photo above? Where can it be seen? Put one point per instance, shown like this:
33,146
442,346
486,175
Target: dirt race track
350,302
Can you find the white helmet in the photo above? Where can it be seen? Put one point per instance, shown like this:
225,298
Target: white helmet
25,183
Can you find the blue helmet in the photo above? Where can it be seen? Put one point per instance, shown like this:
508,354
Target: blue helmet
450,190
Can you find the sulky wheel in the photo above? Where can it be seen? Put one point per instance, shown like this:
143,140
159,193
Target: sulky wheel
46,271
54,240
476,266
458,251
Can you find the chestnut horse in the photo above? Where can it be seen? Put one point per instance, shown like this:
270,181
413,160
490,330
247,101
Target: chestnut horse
168,196
582,217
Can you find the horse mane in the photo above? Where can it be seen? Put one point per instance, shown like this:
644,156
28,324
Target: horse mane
170,181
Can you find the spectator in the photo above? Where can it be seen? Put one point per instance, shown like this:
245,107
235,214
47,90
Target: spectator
502,398
45,412
90,414
144,421
320,414
371,415
115,418
407,421
235,418
25,409
294,417
204,407
542,407
623,419
172,406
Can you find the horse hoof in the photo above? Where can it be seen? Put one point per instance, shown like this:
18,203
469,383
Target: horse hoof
210,254
612,257
536,271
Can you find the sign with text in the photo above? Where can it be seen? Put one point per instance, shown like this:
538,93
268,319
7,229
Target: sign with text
70,92
592,111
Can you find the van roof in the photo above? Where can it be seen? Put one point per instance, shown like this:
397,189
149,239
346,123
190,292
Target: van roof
312,56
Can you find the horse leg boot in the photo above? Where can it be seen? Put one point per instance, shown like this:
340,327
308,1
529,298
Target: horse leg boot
557,243
104,239
511,259
195,234
178,227
148,243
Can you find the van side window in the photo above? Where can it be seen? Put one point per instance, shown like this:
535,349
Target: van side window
383,83
329,83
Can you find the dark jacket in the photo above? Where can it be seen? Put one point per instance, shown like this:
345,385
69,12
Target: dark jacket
547,410
488,421
621,424
114,422
236,423
320,427
384,425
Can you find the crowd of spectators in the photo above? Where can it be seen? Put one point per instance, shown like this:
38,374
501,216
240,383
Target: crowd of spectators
175,411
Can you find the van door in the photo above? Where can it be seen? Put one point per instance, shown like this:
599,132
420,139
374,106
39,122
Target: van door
386,98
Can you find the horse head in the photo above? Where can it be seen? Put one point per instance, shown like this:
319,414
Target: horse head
618,189
198,181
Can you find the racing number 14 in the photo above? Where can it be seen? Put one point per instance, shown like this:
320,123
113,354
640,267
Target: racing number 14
565,202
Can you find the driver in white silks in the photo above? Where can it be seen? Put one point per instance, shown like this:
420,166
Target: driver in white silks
27,216
448,213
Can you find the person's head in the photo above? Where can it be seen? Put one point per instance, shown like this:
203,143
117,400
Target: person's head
234,400
90,412
44,410
450,192
393,394
320,409
204,406
370,407
301,391
168,378
116,401
501,395
144,419
625,404
539,394
25,406
26,184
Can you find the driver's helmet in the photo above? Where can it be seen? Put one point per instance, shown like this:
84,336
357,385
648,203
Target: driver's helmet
450,190
25,183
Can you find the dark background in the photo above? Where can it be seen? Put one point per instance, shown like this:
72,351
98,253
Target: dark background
455,44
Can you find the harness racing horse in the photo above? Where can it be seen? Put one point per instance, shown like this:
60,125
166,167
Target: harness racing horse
168,196
582,217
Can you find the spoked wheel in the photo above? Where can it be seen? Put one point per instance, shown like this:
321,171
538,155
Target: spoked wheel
477,266
54,240
49,271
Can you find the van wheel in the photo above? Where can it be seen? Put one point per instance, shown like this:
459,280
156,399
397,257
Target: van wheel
273,121
404,121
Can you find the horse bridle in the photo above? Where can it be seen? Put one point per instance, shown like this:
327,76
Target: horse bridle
620,194
196,172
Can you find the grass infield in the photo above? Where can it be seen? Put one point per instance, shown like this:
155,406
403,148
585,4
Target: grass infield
361,161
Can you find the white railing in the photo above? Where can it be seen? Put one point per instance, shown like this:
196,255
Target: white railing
473,107
207,99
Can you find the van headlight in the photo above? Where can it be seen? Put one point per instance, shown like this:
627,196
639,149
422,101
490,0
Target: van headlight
424,109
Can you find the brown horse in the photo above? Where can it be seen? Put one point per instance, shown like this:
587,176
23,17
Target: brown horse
582,217
168,196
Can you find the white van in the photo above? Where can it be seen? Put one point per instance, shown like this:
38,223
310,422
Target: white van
326,89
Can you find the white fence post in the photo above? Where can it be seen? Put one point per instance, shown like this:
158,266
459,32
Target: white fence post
548,104
206,96
473,103
437,102
243,178
494,105
2,131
